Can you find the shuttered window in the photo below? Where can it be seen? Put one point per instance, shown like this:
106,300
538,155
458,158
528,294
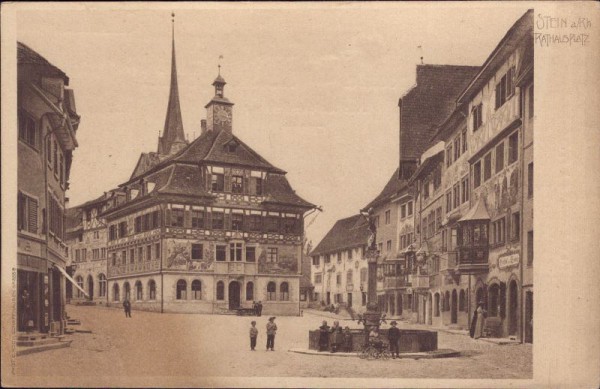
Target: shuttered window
27,213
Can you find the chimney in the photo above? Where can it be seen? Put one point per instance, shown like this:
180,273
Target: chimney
202,126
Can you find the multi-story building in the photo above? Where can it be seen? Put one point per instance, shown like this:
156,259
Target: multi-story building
339,266
208,226
421,110
87,240
489,235
47,126
524,82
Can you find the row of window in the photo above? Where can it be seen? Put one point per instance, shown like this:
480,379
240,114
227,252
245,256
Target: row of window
406,240
505,89
141,253
406,210
29,134
480,176
80,255
457,195
432,223
212,220
101,285
196,291
318,277
237,184
349,255
456,148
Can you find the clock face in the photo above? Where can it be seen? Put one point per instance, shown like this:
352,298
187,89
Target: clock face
222,115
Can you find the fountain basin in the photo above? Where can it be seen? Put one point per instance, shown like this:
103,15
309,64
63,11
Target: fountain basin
411,341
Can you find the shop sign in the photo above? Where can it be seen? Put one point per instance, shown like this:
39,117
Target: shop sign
509,260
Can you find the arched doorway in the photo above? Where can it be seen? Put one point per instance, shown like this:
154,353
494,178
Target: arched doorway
234,295
90,282
454,308
513,307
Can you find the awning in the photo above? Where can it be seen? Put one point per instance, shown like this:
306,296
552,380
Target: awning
68,277
478,212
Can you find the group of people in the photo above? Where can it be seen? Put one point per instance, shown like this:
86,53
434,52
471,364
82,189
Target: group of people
334,339
271,331
257,307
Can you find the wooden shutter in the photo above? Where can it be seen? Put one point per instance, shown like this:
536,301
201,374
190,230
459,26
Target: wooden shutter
32,206
498,95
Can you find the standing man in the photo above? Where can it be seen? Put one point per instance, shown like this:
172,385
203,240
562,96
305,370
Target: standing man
127,307
271,331
394,337
255,308
259,307
253,335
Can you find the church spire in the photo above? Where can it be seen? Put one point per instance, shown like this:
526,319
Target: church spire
173,138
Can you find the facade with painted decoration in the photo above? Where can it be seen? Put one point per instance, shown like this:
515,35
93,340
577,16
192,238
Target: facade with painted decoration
208,226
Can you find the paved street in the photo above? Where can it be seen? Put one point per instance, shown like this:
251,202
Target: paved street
151,344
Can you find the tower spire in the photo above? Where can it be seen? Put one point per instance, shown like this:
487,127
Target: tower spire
173,138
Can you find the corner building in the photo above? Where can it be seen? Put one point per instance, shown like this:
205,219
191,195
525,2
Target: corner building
208,226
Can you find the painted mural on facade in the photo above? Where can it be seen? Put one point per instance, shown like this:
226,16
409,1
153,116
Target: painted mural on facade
179,256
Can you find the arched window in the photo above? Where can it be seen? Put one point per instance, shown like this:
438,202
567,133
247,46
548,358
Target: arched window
462,303
220,290
116,296
250,291
284,291
447,301
138,291
436,305
196,290
181,290
151,290
271,292
102,285
79,281
127,291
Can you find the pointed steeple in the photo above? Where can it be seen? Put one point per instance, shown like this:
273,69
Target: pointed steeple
173,138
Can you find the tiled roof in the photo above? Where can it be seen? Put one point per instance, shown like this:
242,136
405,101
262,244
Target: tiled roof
27,56
279,190
183,180
393,186
345,233
146,162
429,103
427,166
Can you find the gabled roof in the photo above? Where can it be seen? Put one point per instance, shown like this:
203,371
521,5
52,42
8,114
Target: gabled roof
73,219
428,104
346,233
279,191
183,180
146,162
27,56
393,186
478,212
523,28
210,147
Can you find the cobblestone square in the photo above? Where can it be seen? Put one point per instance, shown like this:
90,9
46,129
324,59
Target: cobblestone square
152,344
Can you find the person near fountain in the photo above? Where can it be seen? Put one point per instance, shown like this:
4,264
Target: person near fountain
478,321
374,338
347,340
335,338
394,337
324,337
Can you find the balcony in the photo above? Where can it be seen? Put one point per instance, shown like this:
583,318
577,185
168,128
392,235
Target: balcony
466,260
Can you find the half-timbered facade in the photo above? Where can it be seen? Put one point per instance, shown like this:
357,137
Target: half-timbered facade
208,226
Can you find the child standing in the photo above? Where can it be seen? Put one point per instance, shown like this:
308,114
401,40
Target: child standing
253,335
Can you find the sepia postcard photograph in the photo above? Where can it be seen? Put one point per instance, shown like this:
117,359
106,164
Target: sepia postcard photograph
300,194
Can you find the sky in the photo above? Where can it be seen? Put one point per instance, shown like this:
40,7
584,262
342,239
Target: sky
315,89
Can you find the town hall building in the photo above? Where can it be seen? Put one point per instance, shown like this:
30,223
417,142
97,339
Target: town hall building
207,226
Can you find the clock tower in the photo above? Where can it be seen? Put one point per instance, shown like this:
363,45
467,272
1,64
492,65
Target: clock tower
219,109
